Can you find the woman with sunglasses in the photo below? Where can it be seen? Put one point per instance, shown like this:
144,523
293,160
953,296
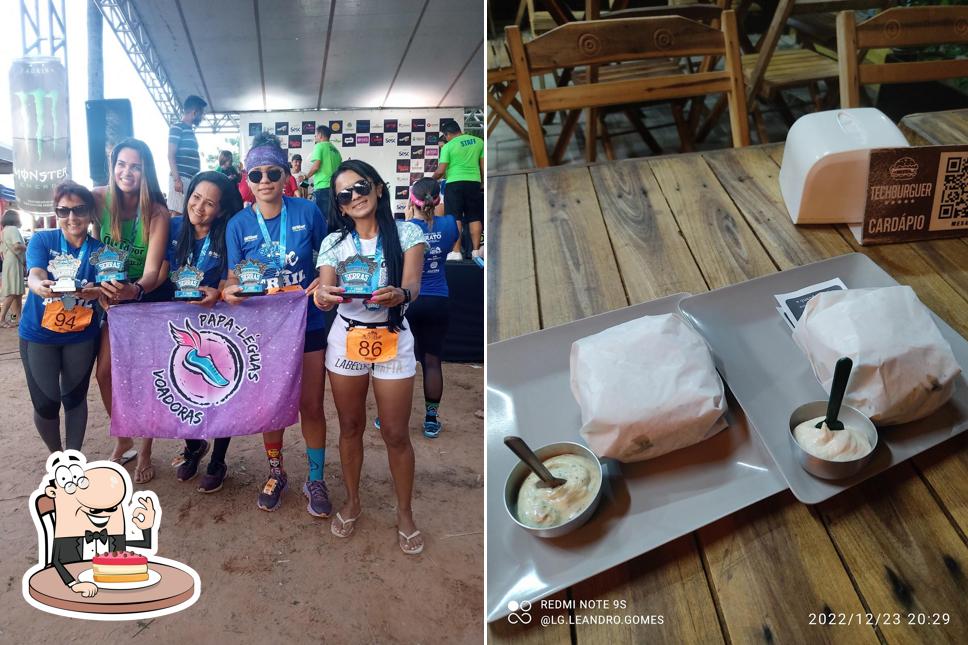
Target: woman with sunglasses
198,239
375,255
282,233
429,316
134,217
59,329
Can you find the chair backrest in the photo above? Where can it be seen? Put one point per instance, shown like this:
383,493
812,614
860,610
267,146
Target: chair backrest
44,507
599,42
898,27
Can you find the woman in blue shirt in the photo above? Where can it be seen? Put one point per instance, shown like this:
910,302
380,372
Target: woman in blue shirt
198,240
59,330
429,316
284,233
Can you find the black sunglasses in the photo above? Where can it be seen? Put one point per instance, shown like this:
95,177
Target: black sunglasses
361,188
65,211
274,175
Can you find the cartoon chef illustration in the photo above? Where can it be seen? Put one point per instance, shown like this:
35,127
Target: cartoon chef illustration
90,508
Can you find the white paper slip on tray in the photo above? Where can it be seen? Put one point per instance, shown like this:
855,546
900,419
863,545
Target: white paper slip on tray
644,505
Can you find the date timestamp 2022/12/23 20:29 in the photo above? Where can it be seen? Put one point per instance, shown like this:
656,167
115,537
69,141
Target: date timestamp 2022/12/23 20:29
892,618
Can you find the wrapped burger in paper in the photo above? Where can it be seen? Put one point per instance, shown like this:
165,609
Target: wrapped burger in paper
646,387
903,367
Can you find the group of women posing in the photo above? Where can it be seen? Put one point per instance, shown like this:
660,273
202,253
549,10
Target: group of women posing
61,336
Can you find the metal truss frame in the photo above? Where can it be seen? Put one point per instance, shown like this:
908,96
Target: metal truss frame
33,34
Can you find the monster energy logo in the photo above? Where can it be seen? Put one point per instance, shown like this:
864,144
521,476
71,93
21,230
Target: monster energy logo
39,103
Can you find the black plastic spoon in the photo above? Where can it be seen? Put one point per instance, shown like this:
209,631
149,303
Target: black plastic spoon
837,389
524,452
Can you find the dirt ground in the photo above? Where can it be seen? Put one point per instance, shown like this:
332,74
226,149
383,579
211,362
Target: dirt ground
277,577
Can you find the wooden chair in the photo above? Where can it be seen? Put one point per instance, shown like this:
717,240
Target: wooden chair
898,27
601,42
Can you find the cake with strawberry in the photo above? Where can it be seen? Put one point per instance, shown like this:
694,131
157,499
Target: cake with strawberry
120,566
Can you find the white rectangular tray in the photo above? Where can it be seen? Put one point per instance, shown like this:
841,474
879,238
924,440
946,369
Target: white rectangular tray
769,375
645,505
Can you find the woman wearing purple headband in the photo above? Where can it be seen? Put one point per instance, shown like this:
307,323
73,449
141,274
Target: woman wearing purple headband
283,233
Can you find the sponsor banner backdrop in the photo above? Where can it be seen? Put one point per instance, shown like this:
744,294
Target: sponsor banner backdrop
380,150
183,372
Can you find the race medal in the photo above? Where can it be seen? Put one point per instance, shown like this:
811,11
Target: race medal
366,345
60,320
356,275
251,275
187,279
109,262
64,267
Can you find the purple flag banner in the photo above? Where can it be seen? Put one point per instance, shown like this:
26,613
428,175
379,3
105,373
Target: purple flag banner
185,372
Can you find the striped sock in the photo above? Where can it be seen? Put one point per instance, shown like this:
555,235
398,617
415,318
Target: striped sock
317,457
432,407
274,455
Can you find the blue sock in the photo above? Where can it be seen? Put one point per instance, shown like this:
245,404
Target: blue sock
316,456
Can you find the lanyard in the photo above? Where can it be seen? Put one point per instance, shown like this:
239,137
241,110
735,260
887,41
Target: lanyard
65,250
281,260
378,258
202,255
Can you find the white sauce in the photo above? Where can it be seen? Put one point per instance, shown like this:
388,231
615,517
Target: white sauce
833,445
547,507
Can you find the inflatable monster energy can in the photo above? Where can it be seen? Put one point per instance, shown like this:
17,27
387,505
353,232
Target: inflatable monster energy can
38,103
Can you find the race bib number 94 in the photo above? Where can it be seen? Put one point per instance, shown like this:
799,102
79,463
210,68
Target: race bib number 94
63,321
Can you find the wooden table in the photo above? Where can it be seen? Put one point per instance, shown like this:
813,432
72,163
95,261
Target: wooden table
574,241
175,587
936,128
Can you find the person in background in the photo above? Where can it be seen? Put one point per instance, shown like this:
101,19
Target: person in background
59,331
135,218
227,168
297,173
368,233
198,239
284,233
183,151
429,315
12,249
462,164
325,158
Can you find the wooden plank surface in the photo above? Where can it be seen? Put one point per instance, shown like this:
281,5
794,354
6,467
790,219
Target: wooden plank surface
576,271
669,582
772,565
945,468
512,296
652,255
936,128
709,220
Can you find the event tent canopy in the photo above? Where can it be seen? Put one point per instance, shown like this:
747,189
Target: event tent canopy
319,54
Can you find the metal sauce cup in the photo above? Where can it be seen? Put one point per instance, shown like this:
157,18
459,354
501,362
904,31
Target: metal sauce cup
824,468
520,472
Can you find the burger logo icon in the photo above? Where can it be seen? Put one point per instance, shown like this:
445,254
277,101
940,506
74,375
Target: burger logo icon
904,169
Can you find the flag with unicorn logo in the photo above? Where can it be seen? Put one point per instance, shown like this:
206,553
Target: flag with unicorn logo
186,372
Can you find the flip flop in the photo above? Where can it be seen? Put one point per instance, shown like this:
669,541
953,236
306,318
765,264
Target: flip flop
127,456
347,525
144,475
406,541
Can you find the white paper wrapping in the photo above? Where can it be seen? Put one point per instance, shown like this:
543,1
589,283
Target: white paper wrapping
903,367
646,387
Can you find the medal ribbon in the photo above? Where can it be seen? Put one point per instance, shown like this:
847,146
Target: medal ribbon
65,250
281,261
378,258
202,255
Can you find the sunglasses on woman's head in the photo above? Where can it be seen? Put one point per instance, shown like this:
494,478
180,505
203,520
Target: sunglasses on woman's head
274,174
65,211
361,188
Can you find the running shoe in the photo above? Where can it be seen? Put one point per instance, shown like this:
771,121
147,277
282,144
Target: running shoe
271,496
432,428
212,480
190,459
318,496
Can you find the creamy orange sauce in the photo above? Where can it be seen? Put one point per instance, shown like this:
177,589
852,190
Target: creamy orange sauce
547,507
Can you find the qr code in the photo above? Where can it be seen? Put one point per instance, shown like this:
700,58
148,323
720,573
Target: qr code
954,189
